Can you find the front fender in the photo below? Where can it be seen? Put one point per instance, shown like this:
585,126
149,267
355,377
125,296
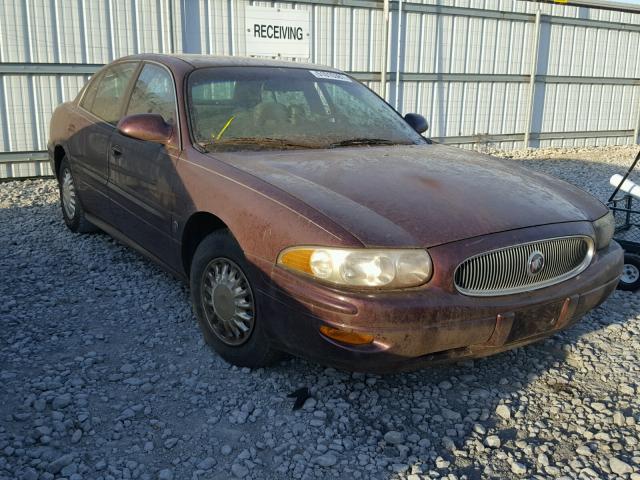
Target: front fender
263,219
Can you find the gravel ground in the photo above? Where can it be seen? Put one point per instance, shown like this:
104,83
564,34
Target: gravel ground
105,376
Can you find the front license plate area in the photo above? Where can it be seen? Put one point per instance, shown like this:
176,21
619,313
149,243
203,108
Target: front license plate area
528,323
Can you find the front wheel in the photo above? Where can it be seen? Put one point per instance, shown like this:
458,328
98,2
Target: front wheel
224,302
630,278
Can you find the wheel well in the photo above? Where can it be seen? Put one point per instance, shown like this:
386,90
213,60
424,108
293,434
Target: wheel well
198,226
58,155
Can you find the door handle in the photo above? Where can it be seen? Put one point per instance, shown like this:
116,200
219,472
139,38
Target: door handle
116,150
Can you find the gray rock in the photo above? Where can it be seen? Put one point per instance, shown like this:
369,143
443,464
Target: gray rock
543,459
399,467
448,443
479,429
59,463
619,467
504,412
518,468
28,473
451,415
77,435
492,441
310,403
627,389
62,401
170,442
619,419
239,471
583,451
394,437
207,464
165,474
128,368
326,460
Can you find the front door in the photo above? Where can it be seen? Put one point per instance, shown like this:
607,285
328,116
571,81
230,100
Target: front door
142,174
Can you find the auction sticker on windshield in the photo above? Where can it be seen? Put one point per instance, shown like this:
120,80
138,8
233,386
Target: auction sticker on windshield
330,75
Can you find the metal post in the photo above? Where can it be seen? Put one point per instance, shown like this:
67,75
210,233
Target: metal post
112,32
136,26
232,29
398,42
172,28
636,131
532,80
385,49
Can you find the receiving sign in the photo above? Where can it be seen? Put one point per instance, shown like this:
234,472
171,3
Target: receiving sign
277,32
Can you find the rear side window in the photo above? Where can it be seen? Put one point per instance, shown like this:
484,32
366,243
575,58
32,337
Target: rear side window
154,93
109,96
90,93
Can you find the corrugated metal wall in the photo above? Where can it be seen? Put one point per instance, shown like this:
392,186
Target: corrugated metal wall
467,65
41,35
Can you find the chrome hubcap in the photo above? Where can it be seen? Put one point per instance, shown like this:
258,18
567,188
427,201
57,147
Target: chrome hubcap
630,273
228,301
68,194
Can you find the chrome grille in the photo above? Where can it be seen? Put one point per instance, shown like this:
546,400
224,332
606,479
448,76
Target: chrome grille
506,270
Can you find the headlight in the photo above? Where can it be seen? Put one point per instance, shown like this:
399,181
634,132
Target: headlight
604,228
363,267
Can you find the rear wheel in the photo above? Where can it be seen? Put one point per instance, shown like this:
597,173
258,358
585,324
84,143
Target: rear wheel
224,302
630,278
72,211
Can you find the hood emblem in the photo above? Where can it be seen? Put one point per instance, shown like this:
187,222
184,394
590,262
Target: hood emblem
535,262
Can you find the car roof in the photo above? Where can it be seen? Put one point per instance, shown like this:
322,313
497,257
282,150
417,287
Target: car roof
200,61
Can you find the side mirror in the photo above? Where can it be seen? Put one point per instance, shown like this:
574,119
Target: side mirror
418,122
149,127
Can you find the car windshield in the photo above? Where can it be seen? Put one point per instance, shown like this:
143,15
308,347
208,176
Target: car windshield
259,108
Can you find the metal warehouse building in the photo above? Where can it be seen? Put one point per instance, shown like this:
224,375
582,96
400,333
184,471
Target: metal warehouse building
512,73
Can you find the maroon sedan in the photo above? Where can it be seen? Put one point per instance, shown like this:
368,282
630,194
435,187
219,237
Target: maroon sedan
311,218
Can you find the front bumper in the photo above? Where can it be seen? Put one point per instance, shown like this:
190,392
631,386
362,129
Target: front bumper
431,323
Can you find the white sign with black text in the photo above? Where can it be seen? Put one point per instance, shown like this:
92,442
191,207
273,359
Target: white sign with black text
277,32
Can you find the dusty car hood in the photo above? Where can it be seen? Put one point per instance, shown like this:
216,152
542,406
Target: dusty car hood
420,194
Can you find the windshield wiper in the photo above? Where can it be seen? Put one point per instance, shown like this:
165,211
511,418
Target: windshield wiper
362,141
256,141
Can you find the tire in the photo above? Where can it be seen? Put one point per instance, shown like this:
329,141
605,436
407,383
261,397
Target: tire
630,279
72,211
223,299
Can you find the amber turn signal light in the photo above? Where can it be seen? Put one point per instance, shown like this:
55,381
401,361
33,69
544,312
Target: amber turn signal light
299,259
344,336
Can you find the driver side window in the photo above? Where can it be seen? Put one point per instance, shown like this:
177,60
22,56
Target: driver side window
154,93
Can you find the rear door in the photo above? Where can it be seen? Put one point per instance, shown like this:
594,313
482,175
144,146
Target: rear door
99,111
142,174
